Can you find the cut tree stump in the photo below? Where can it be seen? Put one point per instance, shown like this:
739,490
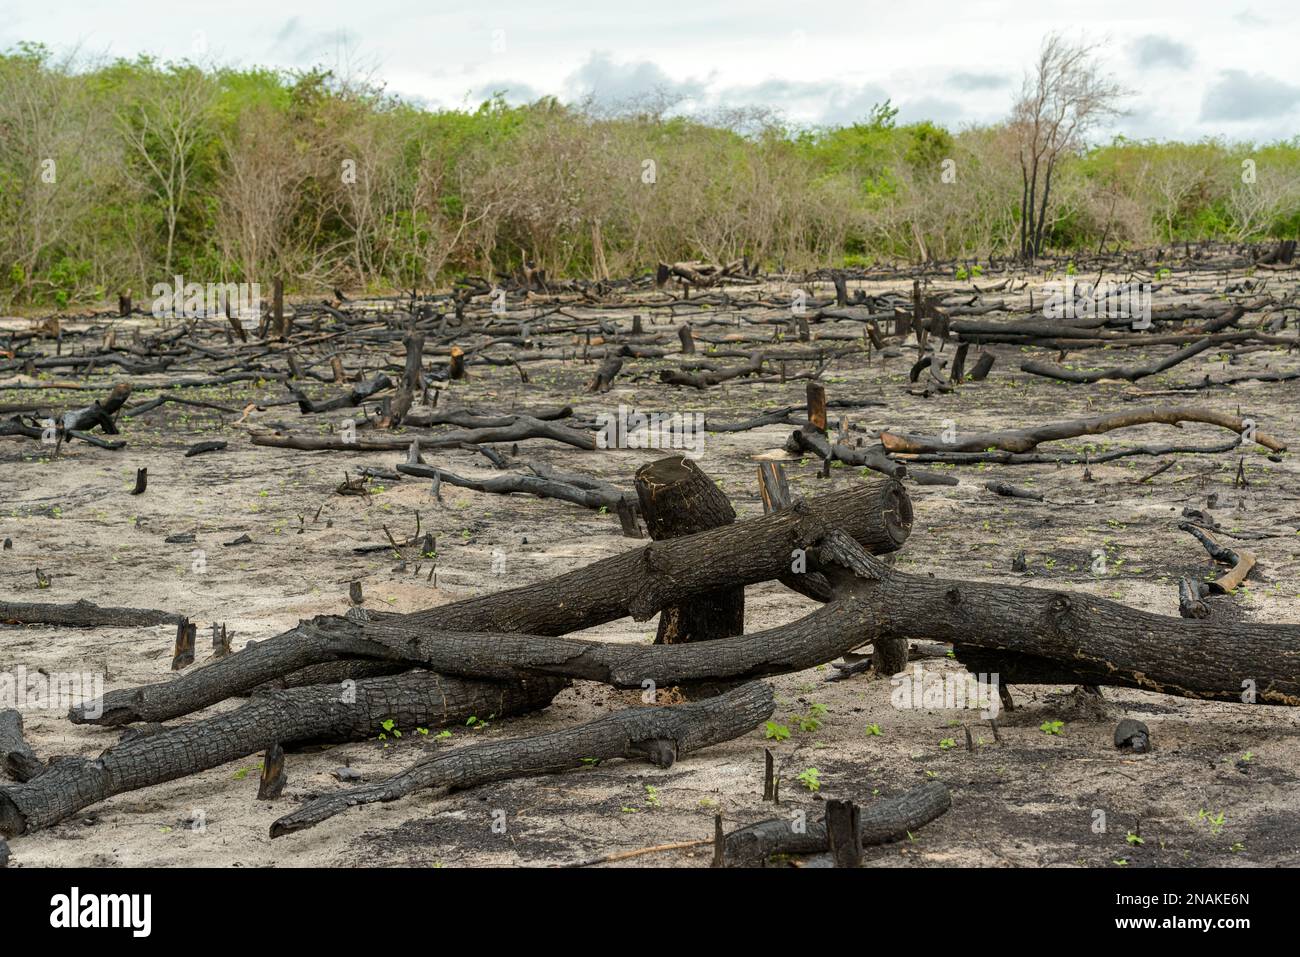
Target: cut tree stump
677,498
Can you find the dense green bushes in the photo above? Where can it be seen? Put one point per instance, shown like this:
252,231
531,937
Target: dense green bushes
125,174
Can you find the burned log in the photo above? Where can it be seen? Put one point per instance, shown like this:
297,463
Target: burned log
605,375
702,380
359,394
1135,372
659,735
82,614
677,498
521,429
605,497
639,583
17,758
874,458
889,819
296,716
1025,440
1080,639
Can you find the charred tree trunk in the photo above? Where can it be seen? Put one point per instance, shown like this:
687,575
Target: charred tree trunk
299,715
677,499
658,735
639,583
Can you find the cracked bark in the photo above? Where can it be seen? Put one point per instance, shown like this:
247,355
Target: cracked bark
317,713
659,735
639,583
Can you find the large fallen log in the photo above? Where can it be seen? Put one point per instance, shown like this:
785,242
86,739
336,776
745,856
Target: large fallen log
1081,635
659,735
521,429
1135,372
81,614
640,582
1025,440
299,715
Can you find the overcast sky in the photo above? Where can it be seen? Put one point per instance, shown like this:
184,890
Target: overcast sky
1198,68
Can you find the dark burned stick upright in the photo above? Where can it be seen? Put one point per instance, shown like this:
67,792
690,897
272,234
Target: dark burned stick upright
677,498
410,386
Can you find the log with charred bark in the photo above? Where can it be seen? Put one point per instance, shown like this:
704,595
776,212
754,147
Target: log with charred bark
1135,372
889,819
659,735
17,758
641,582
593,498
521,429
359,393
1109,643
873,457
702,380
1025,440
323,713
81,614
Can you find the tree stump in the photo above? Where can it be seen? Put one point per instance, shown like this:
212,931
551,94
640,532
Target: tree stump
677,498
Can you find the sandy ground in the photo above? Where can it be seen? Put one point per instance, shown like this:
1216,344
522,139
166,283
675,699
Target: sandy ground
1219,787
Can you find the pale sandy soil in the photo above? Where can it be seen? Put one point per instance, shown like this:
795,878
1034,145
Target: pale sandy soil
1030,800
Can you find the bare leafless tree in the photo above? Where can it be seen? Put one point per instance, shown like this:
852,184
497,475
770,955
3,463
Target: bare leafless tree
164,125
1064,97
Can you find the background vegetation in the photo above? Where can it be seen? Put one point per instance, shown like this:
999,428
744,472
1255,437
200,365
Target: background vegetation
241,175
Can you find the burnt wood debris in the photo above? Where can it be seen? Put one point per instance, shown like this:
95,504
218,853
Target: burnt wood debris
344,376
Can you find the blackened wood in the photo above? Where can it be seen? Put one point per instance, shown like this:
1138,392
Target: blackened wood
605,375
659,735
274,774
982,366
687,337
318,713
17,758
844,833
873,457
677,498
410,386
360,393
522,428
183,655
640,582
1025,440
82,614
889,819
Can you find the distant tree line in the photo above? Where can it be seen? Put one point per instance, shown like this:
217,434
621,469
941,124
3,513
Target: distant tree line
121,175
